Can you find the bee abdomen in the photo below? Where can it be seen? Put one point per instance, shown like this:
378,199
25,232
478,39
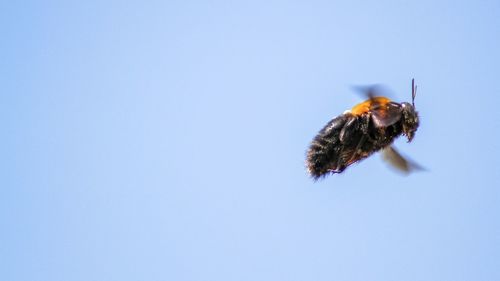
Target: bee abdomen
323,154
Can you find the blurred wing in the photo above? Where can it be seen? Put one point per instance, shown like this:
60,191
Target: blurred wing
384,115
392,156
371,91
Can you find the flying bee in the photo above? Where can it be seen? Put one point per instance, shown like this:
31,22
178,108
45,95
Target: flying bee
368,127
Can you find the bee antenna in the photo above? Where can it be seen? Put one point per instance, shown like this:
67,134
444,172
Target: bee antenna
413,91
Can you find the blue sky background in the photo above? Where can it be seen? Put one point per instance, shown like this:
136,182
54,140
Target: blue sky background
165,140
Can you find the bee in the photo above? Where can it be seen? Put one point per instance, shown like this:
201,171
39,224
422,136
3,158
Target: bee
368,127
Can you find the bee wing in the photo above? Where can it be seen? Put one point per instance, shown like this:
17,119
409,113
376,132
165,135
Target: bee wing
371,91
395,159
386,114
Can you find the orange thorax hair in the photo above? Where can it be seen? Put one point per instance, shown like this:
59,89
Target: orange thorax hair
368,105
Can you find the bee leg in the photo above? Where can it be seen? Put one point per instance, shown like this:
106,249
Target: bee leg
338,170
364,126
350,156
358,153
340,167
348,129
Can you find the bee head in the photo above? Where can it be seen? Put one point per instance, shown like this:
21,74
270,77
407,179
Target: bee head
410,115
410,120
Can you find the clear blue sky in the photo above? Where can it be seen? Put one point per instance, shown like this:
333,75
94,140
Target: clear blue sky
166,140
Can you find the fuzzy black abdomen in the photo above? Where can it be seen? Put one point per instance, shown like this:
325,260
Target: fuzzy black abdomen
326,147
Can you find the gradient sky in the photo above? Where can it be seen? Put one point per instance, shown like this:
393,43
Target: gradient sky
165,140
